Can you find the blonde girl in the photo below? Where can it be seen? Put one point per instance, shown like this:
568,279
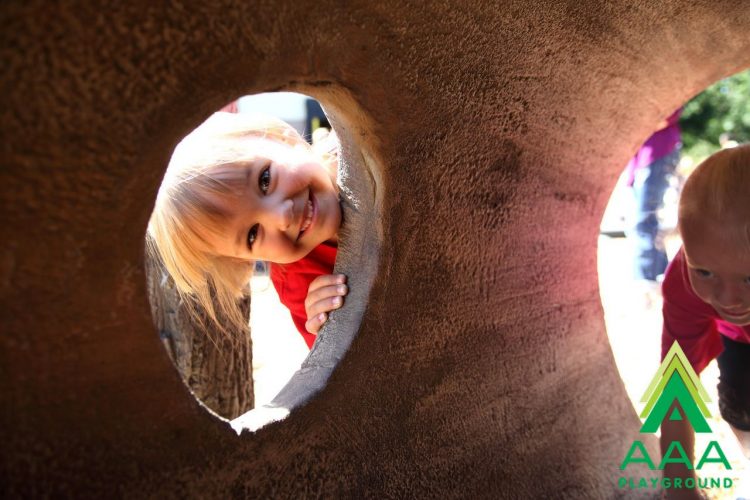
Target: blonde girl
243,188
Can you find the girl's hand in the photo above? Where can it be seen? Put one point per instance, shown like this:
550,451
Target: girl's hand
325,294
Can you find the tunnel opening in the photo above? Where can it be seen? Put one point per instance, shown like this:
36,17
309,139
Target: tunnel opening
240,368
640,224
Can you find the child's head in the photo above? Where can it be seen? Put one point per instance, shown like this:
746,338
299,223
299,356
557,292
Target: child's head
239,189
714,221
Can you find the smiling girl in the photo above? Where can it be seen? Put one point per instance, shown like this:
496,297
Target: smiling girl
243,188
707,291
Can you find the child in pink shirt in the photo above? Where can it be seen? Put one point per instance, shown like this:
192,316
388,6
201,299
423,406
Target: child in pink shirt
707,294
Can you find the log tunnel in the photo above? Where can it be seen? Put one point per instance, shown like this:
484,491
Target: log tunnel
488,136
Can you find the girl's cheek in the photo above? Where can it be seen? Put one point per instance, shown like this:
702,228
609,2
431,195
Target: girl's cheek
700,289
707,295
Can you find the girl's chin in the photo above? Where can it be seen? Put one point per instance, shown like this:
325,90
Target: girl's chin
742,322
735,320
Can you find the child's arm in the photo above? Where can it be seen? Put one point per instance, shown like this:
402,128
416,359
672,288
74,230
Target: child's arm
325,294
679,430
687,319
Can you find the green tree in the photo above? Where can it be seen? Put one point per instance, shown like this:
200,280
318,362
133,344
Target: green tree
723,108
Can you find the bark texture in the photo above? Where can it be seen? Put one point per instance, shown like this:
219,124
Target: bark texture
216,366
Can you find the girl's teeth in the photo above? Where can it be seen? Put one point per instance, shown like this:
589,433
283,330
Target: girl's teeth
308,216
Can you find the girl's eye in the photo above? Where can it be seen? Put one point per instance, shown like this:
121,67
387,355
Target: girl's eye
703,273
264,181
251,235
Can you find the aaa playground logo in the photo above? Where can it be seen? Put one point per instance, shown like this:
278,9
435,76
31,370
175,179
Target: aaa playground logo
675,386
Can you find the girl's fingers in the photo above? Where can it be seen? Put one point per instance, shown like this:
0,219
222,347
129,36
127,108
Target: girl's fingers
321,294
326,280
314,324
326,293
326,305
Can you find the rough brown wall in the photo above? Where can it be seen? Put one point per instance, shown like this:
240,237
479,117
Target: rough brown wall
498,129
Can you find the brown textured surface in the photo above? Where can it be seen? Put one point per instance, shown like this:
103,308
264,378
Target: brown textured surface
481,368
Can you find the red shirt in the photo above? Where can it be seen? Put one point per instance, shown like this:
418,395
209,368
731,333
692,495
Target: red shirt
692,322
292,282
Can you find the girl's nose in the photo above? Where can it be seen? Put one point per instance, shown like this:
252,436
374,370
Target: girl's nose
728,295
284,214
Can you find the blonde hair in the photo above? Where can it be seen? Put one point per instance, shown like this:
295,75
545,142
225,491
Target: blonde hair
718,191
184,213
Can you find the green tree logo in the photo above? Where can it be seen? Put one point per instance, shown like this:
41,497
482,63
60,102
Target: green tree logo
675,381
675,386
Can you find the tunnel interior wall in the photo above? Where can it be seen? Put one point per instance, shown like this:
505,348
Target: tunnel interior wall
495,131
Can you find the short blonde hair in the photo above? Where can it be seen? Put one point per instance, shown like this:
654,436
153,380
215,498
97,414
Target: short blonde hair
718,191
184,214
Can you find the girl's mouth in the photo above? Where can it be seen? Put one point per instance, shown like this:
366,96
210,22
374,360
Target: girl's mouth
735,314
308,215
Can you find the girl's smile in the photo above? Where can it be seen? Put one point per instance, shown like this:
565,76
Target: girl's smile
308,215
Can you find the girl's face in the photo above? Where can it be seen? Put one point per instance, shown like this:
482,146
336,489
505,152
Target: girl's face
287,205
719,271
